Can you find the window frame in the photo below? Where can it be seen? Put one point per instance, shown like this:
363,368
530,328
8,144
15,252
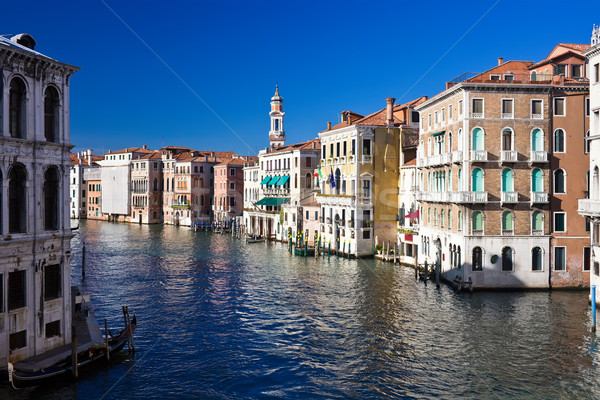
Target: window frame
564,258
564,106
503,112
564,181
531,113
555,214
473,99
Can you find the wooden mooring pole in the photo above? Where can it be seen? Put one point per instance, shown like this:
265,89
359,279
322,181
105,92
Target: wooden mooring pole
106,340
83,262
74,351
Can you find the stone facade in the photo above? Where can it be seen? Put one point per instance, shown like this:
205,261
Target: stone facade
35,273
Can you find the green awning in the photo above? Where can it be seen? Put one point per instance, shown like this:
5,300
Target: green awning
265,180
283,180
273,180
272,201
438,133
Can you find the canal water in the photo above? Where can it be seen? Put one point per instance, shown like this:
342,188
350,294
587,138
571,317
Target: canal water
222,319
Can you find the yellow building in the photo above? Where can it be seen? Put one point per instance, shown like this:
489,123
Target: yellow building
359,173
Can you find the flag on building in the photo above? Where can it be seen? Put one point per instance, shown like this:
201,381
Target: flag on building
331,179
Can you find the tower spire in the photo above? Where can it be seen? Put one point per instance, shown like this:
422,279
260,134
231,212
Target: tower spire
276,134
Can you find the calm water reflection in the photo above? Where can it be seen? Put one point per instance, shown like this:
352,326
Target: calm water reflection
219,318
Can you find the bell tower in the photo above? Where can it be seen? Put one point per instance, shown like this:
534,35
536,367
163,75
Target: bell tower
276,134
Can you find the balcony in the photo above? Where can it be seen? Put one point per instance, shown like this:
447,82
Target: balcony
437,197
508,232
538,197
477,232
366,159
508,155
469,197
479,155
507,115
510,197
537,116
457,156
589,207
537,232
538,156
476,115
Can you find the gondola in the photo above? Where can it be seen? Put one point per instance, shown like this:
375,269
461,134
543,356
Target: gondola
64,368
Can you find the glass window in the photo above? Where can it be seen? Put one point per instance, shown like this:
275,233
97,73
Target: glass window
507,108
507,259
16,290
477,221
477,108
559,106
536,259
560,258
559,141
52,282
477,264
559,222
559,181
536,109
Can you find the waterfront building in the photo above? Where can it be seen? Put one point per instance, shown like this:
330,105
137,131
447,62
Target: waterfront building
80,162
408,217
93,180
590,206
360,159
35,274
493,168
115,174
229,189
285,181
146,181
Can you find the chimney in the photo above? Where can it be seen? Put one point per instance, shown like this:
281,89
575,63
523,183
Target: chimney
390,111
500,60
328,125
144,146
89,156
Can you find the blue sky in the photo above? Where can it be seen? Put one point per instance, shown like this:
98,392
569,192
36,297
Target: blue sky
326,57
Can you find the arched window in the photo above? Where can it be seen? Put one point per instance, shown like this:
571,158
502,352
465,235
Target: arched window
507,223
449,142
51,191
17,112
460,139
537,222
449,219
559,141
478,139
537,140
477,261
338,178
507,259
51,114
537,185
507,180
536,259
533,76
507,139
458,258
586,143
17,199
477,184
559,181
173,184
155,185
459,221
595,184
459,179
295,181
308,180
477,222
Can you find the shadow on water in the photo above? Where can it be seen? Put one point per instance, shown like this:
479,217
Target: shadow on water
219,318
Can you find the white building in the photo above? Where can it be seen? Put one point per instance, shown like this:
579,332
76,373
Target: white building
116,177
79,163
35,255
591,207
284,181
